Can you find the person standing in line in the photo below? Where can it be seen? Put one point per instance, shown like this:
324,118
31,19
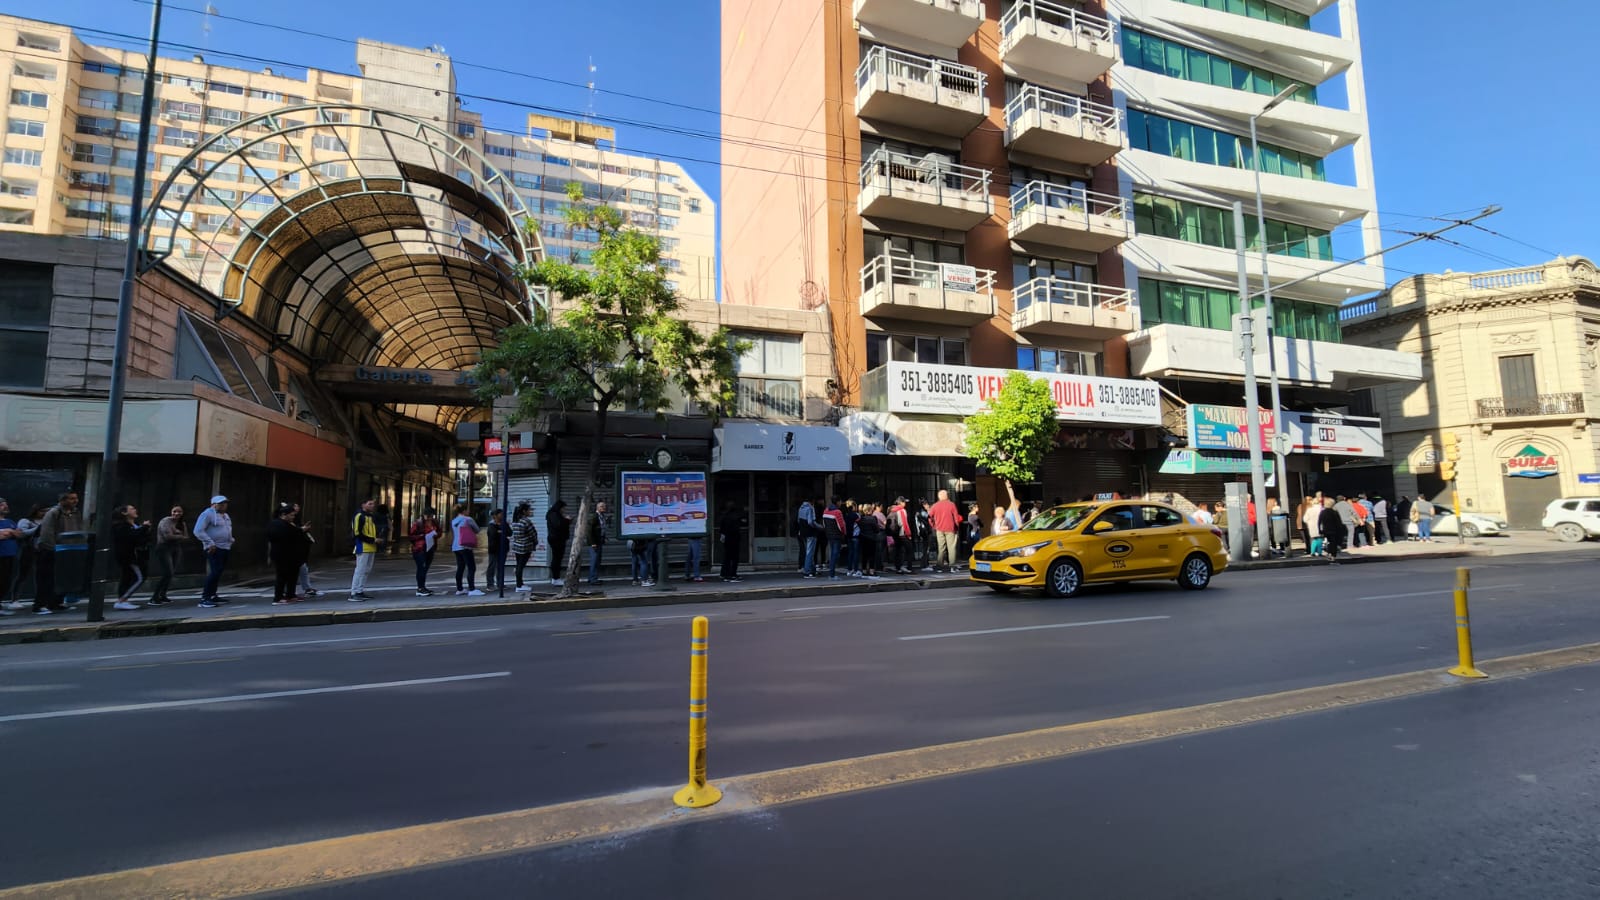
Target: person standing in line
380,522
852,540
1312,519
639,562
833,529
424,535
171,533
214,528
289,545
1347,518
1331,523
730,529
1014,515
1422,514
903,530
599,523
971,533
130,541
524,540
306,590
806,522
464,543
871,538
1362,535
27,530
366,539
1278,527
497,542
9,550
1380,518
946,521
62,517
557,531
1202,514
926,549
997,524
691,559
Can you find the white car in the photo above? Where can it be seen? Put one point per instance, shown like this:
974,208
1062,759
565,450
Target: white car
1472,525
1573,518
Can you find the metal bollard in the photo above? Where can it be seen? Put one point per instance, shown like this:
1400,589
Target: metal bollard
1465,668
698,793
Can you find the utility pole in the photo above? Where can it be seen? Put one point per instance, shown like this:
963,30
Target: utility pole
1266,291
101,513
1252,394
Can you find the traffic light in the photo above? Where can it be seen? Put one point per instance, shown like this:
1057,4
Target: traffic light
1452,446
1447,470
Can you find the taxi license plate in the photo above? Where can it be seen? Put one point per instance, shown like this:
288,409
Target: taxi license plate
982,567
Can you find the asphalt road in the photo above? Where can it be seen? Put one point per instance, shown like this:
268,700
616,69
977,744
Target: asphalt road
360,732
1467,795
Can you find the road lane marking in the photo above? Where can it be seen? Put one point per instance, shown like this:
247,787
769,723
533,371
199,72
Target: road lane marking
241,698
334,860
176,662
951,634
369,649
1481,587
861,605
344,640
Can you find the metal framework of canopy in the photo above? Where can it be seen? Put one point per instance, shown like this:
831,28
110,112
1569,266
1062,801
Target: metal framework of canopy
394,244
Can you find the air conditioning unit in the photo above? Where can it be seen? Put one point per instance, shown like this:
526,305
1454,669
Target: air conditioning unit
187,142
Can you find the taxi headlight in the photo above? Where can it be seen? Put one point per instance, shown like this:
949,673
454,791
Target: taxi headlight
1029,550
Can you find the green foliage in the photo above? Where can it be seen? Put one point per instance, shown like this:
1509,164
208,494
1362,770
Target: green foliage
620,339
1014,431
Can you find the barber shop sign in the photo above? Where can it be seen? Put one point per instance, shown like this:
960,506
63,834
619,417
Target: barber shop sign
1532,462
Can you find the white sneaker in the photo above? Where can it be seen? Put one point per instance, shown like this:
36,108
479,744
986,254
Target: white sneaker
524,589
462,593
127,606
474,593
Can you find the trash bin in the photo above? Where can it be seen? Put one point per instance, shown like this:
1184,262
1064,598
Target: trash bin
74,563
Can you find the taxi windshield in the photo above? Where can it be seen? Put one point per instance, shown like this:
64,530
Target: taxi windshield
1062,518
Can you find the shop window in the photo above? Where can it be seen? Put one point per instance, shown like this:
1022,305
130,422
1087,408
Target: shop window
26,296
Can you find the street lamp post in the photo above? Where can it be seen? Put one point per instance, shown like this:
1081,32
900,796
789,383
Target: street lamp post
1252,393
119,353
1266,292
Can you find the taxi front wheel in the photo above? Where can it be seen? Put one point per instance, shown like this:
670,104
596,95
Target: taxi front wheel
1064,578
1196,573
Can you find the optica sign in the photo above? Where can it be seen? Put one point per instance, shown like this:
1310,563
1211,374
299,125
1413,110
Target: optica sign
1532,462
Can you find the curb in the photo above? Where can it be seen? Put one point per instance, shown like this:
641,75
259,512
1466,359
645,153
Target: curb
159,627
1301,562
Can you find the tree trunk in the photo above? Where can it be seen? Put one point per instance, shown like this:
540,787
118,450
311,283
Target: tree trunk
577,551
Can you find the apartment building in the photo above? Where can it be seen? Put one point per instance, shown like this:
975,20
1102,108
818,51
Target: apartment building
1513,370
71,120
973,186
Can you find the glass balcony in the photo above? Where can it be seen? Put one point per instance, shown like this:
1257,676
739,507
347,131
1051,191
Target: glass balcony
1043,213
1056,307
929,190
1060,126
899,287
1039,38
947,23
920,92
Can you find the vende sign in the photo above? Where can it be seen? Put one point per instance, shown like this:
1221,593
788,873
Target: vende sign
963,390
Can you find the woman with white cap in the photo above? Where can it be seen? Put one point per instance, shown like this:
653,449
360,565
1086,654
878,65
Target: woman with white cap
215,530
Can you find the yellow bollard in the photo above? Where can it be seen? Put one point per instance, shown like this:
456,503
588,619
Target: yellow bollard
1464,628
697,794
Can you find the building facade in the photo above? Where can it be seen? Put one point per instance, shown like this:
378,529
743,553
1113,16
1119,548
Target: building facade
69,126
974,187
1512,369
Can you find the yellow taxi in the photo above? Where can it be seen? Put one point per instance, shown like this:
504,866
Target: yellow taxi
1065,548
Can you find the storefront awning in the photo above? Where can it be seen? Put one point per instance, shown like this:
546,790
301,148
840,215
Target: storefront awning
754,447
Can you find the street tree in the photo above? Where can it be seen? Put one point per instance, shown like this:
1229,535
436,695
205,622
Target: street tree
615,336
1016,428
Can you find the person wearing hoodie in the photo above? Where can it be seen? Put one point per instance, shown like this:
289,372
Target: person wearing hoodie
833,526
557,533
130,541
289,545
1331,523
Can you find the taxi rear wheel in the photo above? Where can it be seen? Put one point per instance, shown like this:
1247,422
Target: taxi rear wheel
1064,578
1195,573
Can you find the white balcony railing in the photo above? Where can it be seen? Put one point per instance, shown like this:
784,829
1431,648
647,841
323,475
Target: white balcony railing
931,178
921,273
881,65
1094,117
1048,289
1028,15
905,287
1070,200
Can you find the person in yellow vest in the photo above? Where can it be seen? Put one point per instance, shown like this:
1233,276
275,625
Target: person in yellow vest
364,538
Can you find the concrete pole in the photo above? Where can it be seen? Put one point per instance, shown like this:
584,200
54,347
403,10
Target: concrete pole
1252,393
1272,343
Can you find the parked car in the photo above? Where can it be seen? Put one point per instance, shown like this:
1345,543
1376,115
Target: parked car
1472,525
1062,549
1573,518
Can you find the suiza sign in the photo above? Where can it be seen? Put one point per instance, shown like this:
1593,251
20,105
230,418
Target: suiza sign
1532,462
963,390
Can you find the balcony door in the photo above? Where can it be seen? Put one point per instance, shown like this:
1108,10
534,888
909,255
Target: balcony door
1519,385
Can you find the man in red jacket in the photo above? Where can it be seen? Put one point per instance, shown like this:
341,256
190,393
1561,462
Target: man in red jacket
946,520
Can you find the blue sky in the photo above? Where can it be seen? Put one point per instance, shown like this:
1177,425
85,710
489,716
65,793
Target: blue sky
1469,107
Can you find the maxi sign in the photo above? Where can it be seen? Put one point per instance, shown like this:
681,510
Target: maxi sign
963,390
1226,428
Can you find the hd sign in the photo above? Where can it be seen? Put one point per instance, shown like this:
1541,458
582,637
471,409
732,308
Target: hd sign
1532,462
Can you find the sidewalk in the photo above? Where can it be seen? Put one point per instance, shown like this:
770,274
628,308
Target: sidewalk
394,591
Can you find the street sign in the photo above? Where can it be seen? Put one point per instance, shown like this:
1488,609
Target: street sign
1589,478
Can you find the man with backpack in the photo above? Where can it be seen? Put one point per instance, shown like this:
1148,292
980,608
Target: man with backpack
365,539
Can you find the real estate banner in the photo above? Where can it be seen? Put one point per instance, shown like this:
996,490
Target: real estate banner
963,390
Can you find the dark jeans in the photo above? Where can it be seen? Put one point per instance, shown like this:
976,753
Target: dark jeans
216,561
44,579
466,564
730,555
8,565
129,580
834,542
522,563
853,559
495,571
558,559
286,578
597,553
422,559
166,566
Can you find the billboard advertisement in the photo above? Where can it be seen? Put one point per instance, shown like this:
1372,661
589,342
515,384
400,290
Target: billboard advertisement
1334,435
963,390
1214,427
662,503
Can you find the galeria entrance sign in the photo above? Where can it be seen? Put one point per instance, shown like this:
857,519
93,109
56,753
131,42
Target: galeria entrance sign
963,390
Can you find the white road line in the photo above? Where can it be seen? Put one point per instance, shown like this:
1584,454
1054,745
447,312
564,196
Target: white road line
346,640
240,698
860,605
1476,587
951,634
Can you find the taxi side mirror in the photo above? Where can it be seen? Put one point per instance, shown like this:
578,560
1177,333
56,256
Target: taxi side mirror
1101,527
